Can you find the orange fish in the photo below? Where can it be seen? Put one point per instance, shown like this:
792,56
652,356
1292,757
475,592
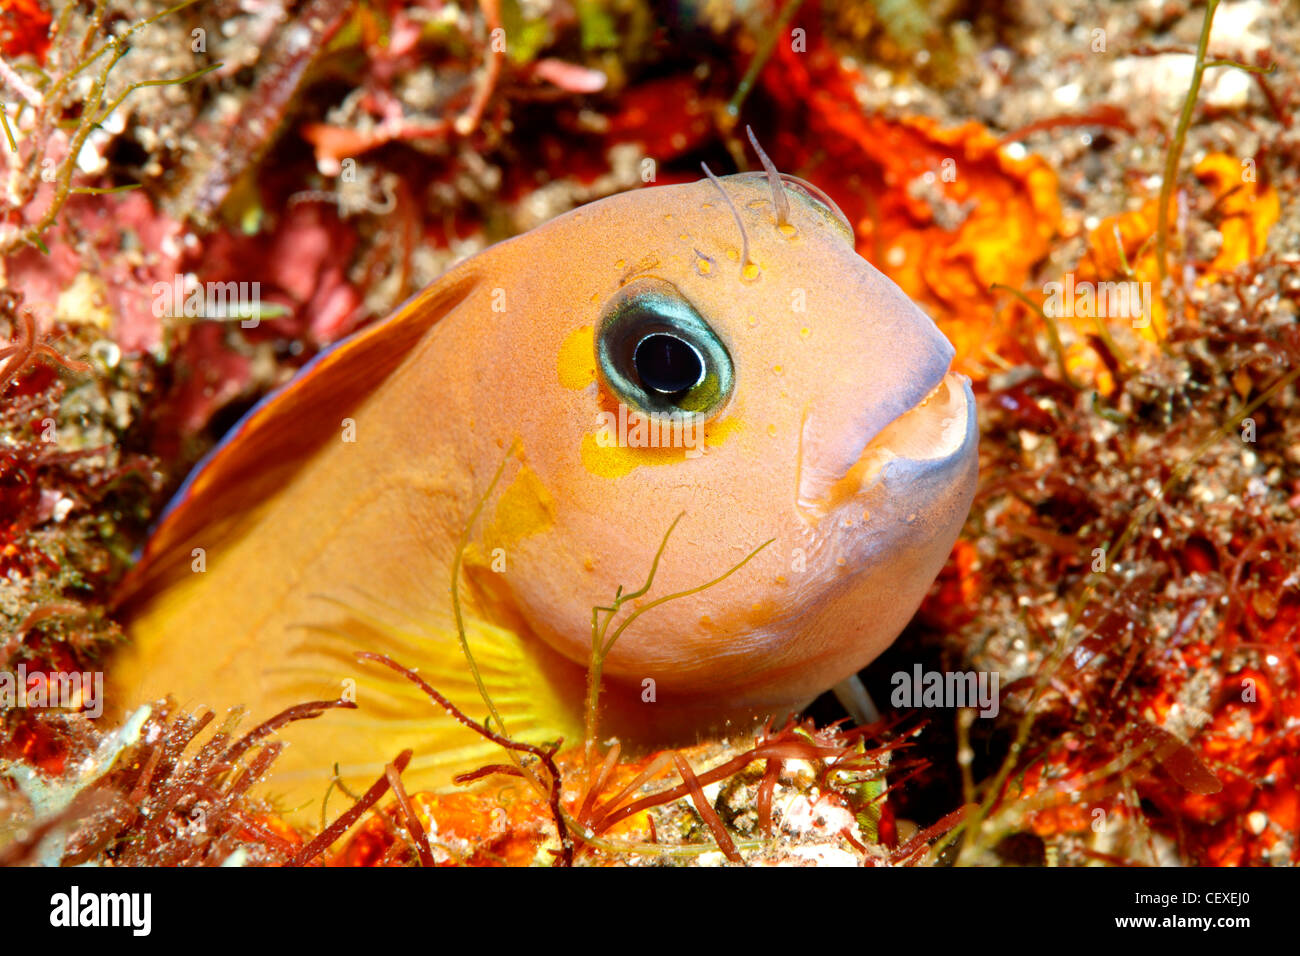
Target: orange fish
716,350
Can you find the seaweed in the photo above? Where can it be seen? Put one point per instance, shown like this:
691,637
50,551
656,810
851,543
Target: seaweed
544,756
52,100
135,800
344,822
25,345
1157,629
1175,150
705,809
602,642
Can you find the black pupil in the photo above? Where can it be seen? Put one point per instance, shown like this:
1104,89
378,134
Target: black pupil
666,364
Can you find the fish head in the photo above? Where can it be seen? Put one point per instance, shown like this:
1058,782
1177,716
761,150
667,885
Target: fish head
701,359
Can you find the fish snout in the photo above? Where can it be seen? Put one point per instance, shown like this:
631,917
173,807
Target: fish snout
882,531
916,454
893,398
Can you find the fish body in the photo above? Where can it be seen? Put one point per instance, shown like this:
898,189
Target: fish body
805,403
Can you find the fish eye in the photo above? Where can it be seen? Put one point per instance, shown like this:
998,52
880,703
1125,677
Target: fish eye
658,355
667,364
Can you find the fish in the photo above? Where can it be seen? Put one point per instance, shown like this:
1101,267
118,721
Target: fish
712,358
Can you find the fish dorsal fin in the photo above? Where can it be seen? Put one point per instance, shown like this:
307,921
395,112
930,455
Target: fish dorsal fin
263,451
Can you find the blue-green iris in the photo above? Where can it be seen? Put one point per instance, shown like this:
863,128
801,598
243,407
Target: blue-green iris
658,355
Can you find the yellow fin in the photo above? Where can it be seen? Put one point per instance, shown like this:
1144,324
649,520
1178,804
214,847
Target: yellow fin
393,714
538,695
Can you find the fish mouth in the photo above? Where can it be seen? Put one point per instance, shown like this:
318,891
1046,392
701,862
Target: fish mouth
933,431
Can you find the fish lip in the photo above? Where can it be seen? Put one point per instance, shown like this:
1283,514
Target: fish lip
941,424
948,408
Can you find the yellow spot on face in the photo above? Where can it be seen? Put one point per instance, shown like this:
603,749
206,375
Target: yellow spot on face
684,238
717,432
777,369
704,266
589,563
780,579
840,561
604,457
771,430
577,361
620,263
750,271
787,230
805,332
595,298
752,321
525,508
616,461
706,621
668,217
866,515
